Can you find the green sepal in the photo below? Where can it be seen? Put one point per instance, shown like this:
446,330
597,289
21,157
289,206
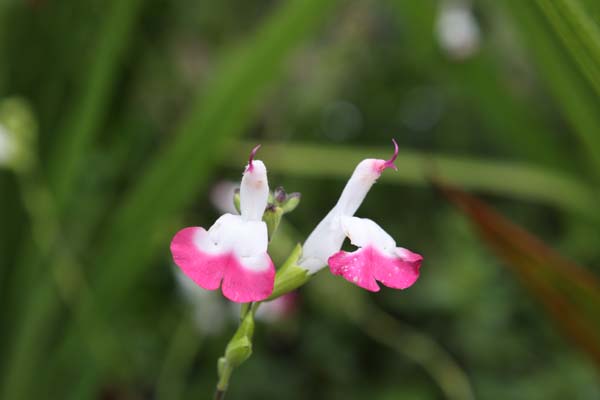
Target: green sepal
221,365
272,217
239,348
290,276
236,200
238,351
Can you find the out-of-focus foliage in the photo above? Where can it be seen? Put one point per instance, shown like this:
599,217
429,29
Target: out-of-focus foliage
140,106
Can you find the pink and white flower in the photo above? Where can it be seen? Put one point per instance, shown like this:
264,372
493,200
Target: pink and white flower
377,257
233,252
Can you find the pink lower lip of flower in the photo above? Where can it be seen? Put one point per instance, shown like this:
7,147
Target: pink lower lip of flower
367,265
209,271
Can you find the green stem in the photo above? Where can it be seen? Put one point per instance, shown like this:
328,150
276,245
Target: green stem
223,382
233,358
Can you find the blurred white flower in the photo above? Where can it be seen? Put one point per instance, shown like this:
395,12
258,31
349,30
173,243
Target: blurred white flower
210,312
278,309
221,196
7,146
457,29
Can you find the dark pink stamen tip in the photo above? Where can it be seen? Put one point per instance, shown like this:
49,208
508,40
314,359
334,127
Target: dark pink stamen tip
252,154
390,163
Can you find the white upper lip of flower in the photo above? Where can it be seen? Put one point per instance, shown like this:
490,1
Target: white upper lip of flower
254,191
327,238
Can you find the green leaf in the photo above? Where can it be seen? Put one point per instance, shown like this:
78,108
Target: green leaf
555,31
84,121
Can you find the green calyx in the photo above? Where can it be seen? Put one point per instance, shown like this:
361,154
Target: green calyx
290,276
239,347
272,217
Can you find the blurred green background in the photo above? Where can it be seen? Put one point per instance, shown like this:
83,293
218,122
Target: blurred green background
142,107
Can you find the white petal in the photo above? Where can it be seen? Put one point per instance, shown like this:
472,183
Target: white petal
221,196
254,191
325,240
364,176
364,232
231,233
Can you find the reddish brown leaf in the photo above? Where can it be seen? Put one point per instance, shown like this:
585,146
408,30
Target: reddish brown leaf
569,293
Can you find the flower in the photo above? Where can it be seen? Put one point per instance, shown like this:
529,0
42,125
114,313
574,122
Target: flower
233,252
457,29
377,257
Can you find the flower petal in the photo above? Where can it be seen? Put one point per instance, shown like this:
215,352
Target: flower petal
326,239
232,233
203,268
364,231
249,278
254,191
366,265
232,251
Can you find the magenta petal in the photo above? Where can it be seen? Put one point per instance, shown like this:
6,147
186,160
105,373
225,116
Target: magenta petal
240,284
243,285
366,265
204,269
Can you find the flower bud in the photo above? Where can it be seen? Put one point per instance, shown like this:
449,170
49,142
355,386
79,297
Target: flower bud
238,351
239,348
279,195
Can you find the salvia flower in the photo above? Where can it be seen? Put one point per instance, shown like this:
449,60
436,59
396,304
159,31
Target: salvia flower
377,257
233,252
457,29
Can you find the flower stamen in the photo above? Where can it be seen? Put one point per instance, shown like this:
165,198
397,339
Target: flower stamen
252,154
390,163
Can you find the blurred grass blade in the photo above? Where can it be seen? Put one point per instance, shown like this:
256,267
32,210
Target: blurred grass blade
174,177
220,113
569,293
512,179
482,78
73,144
579,34
335,295
553,36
